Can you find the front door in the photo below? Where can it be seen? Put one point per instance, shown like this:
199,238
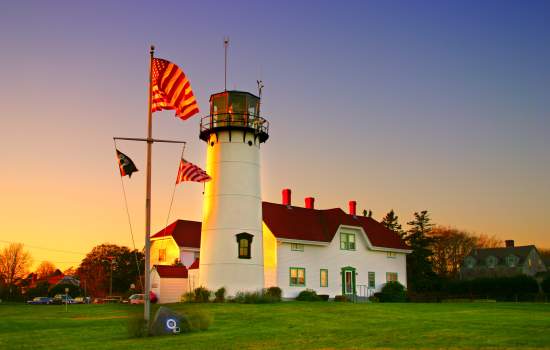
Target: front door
348,280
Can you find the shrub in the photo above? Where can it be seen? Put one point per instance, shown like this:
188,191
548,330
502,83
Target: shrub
545,285
323,297
307,295
136,326
274,293
219,295
341,298
201,295
263,296
393,292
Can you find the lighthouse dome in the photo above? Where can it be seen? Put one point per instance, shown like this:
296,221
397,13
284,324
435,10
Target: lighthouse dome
234,110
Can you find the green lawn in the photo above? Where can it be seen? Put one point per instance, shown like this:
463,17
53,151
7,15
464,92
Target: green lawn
288,325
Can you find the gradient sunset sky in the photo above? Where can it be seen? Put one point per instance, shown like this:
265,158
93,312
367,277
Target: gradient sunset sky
410,105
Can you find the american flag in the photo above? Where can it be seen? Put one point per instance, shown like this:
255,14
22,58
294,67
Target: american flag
191,172
171,90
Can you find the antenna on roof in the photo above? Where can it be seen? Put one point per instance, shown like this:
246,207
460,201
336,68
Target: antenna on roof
225,46
260,87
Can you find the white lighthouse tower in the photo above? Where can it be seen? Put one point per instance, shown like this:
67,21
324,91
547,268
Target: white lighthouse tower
231,253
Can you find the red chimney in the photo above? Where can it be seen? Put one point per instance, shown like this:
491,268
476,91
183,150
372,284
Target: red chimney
310,202
352,208
287,197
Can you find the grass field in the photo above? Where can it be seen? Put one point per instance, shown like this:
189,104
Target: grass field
288,325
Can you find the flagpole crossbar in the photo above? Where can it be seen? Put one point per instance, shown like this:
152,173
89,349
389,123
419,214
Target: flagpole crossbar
148,140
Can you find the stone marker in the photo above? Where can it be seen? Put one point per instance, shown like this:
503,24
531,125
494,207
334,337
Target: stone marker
167,321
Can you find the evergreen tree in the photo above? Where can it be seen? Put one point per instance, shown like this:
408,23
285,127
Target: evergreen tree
419,265
390,221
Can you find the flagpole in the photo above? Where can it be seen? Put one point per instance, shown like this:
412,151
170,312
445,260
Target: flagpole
147,301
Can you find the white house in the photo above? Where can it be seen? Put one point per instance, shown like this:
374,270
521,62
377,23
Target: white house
329,251
245,244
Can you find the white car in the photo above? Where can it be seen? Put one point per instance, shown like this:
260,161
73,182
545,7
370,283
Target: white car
137,299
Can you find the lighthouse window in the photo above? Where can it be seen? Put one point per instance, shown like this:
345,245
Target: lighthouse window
244,241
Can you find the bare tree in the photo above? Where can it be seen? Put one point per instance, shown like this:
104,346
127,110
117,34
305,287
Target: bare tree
14,264
486,241
45,269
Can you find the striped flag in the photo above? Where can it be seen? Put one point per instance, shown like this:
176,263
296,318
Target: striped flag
191,172
171,90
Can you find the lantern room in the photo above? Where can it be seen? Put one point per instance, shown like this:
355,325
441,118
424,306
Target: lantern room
234,110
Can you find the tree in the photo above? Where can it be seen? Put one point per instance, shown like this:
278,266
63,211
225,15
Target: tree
14,265
486,241
45,269
420,274
449,247
95,269
390,221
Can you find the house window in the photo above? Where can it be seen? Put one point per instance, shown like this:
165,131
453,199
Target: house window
391,276
162,255
347,241
297,276
470,262
372,280
323,278
511,260
297,247
491,262
391,255
244,241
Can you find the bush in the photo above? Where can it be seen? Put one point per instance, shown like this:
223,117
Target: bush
323,297
393,292
136,326
263,296
307,295
202,295
219,295
198,295
341,298
274,293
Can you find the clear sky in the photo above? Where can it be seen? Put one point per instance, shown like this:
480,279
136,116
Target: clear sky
410,105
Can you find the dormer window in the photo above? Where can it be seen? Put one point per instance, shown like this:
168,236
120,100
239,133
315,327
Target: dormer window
470,262
512,260
491,262
244,241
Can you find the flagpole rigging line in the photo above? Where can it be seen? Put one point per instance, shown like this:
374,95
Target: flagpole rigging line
171,203
129,223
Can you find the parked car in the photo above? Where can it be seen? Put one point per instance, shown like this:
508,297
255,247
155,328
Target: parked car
62,299
137,299
82,300
40,301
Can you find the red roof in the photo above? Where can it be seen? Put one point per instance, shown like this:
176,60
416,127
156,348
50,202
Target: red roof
186,233
304,224
195,264
166,271
295,223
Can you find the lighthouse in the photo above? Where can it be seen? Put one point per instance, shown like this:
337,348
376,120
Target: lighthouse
231,250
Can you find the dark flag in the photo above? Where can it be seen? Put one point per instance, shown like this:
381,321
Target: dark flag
191,172
125,164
